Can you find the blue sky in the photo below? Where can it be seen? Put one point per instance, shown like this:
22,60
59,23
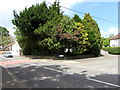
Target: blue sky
105,10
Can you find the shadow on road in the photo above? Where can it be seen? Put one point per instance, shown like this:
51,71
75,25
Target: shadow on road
7,80
40,77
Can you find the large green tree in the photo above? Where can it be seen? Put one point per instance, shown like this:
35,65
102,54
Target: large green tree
26,22
94,36
31,21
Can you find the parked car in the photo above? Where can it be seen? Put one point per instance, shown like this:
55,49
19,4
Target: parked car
8,54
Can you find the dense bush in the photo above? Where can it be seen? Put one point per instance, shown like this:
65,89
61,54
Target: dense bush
112,50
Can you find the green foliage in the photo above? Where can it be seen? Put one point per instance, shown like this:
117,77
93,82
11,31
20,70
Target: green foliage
72,36
47,33
20,38
81,39
64,32
32,26
43,30
4,31
106,42
5,37
112,50
26,22
94,35
76,18
61,33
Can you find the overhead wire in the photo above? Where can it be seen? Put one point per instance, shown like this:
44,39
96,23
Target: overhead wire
110,21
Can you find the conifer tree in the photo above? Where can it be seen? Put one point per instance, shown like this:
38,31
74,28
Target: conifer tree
29,20
94,36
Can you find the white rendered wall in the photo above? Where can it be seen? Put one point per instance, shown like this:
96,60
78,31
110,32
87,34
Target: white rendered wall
16,49
115,43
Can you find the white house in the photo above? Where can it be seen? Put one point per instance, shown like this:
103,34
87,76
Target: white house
115,41
14,48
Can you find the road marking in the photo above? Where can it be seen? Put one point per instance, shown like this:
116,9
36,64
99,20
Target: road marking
103,82
87,78
54,70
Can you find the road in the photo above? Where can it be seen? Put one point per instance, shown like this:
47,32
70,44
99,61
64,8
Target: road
101,72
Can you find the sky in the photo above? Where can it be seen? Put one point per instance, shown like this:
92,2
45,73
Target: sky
106,9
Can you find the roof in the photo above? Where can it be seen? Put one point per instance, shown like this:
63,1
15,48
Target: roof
9,45
115,37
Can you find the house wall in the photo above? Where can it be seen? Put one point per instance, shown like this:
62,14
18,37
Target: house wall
16,49
115,43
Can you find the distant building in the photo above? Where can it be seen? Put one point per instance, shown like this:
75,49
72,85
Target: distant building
14,48
115,41
8,47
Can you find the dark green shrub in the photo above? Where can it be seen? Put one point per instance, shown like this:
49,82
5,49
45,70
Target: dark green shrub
112,50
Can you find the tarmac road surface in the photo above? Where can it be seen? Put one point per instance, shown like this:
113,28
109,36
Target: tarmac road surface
84,73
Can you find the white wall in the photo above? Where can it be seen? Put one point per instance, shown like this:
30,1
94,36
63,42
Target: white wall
16,49
115,43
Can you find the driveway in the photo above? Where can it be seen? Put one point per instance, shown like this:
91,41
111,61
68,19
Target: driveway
100,72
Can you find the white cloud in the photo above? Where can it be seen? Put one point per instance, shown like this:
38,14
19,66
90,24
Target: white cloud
69,3
10,5
112,30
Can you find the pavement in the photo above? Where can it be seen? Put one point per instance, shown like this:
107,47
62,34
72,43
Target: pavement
100,72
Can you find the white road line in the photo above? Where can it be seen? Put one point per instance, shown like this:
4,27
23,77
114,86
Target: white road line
87,78
103,82
54,70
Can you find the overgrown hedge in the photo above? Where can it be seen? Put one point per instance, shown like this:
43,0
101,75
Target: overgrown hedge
112,50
